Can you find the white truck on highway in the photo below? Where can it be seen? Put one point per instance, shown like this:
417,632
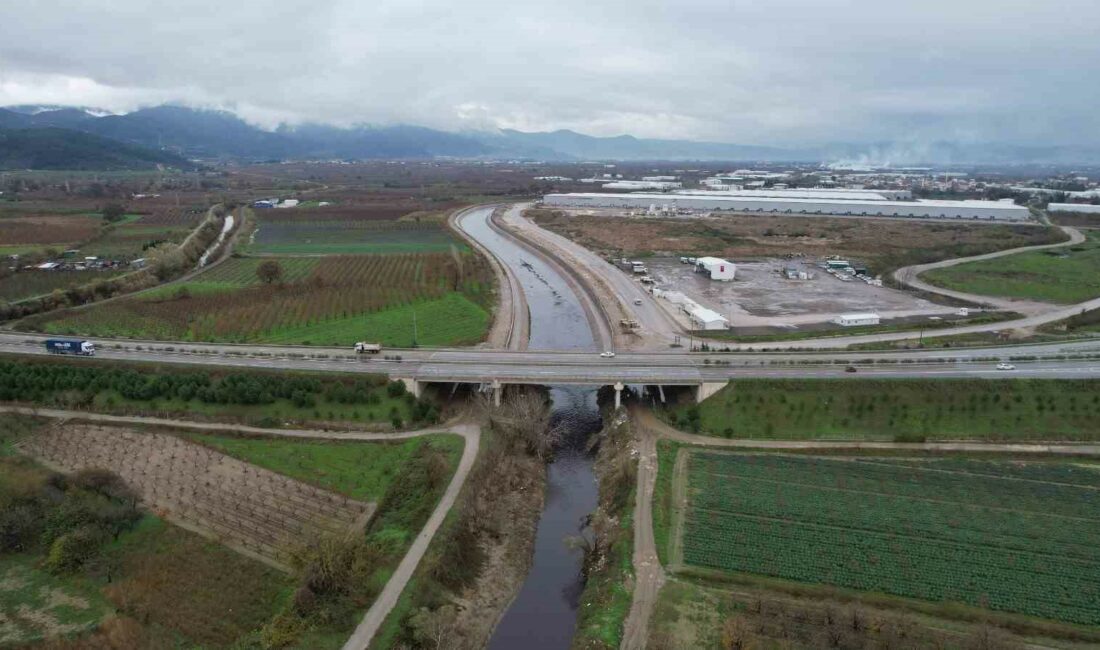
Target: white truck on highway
362,347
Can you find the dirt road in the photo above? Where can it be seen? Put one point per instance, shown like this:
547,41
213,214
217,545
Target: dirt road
909,276
650,576
386,600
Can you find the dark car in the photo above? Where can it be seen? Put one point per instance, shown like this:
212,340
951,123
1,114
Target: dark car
850,369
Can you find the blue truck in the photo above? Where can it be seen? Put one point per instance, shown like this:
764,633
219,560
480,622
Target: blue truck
70,346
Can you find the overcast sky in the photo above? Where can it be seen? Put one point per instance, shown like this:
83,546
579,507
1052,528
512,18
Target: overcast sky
777,72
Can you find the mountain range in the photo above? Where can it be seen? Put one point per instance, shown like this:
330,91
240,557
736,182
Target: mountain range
180,132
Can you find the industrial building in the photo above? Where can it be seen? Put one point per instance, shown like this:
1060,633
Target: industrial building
709,202
1074,207
808,193
716,267
643,185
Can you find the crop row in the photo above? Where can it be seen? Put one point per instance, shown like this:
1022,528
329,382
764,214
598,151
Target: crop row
954,530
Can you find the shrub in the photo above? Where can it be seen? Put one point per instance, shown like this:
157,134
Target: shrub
70,551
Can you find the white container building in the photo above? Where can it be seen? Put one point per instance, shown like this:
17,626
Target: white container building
716,267
853,320
706,319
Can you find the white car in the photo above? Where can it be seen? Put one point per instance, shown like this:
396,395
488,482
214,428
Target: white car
1005,366
607,355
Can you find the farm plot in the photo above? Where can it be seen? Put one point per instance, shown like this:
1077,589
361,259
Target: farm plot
351,237
1014,537
334,305
254,510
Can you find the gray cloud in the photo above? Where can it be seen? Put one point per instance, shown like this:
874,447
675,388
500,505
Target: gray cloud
749,71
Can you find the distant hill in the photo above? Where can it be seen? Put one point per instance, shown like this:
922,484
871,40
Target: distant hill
214,135
55,148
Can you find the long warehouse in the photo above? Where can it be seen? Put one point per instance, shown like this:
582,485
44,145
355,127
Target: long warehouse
981,210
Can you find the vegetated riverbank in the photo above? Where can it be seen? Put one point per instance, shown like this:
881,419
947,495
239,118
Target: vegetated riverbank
477,563
608,565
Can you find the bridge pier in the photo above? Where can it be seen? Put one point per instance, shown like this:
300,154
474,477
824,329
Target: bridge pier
498,389
708,388
619,395
411,385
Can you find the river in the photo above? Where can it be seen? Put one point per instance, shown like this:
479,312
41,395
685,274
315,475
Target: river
544,614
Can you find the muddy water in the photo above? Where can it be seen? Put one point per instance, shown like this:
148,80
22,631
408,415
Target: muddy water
544,613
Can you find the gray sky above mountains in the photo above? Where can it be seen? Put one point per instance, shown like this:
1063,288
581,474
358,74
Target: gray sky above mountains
777,72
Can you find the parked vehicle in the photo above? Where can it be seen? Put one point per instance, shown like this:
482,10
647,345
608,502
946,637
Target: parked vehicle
1005,366
70,346
362,347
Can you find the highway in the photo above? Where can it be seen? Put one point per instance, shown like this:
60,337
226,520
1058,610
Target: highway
668,368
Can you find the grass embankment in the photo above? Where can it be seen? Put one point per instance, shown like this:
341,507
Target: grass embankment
266,398
359,470
609,562
902,409
662,497
1064,275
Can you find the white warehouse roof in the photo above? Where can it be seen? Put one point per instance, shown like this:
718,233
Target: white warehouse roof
989,210
1074,207
815,193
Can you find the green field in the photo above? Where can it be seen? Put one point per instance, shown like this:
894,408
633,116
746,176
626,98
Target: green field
351,238
360,470
334,300
1010,536
1064,275
451,320
903,409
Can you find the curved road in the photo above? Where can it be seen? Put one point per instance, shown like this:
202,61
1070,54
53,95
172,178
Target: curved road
909,276
386,600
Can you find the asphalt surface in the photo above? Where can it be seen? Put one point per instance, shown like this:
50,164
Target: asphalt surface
476,366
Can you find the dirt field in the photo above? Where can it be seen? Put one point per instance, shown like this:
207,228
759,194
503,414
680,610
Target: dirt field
760,290
258,512
881,244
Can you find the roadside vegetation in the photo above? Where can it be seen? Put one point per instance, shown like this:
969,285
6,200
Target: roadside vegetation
882,244
902,409
259,397
1063,275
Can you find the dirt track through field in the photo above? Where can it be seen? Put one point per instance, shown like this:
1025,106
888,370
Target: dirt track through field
258,512
385,602
650,576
